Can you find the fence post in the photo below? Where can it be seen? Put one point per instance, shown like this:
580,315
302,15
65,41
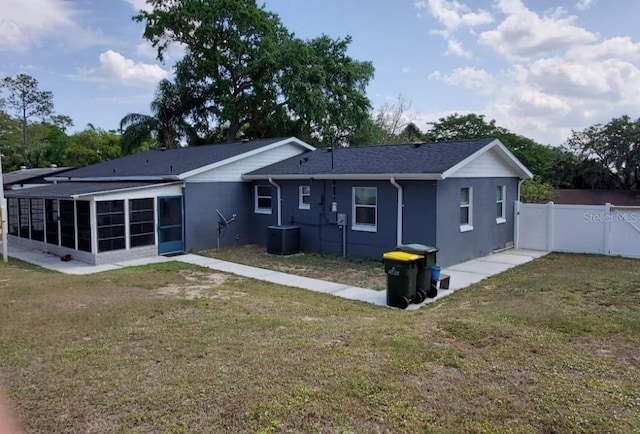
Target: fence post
550,232
516,224
607,228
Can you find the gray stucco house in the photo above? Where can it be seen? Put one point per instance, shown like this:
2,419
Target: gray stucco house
458,196
157,202
359,201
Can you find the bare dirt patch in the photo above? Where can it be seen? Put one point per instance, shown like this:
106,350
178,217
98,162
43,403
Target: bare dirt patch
199,285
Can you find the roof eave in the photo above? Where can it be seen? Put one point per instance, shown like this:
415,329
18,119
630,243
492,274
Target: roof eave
524,173
348,176
199,170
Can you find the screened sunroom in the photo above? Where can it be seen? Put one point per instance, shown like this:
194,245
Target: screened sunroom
98,223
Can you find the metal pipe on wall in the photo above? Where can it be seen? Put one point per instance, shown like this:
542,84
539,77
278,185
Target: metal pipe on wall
272,182
400,202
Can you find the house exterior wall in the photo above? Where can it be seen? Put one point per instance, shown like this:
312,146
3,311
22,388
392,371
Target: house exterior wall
318,229
419,212
232,172
488,165
487,235
201,200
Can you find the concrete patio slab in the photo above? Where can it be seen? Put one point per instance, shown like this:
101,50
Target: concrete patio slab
462,275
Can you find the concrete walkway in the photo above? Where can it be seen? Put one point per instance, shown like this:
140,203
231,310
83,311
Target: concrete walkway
462,275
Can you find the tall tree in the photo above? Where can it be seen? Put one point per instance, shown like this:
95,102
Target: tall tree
165,127
90,146
614,147
243,70
63,122
27,100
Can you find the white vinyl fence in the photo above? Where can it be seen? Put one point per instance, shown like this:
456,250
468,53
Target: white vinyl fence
606,229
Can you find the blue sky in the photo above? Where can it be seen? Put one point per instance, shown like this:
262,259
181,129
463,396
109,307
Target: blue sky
540,68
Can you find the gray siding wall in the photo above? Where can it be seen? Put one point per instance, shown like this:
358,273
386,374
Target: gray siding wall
419,212
487,235
318,229
200,203
260,222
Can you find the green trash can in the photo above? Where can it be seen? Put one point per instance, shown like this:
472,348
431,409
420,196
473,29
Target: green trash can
429,256
401,269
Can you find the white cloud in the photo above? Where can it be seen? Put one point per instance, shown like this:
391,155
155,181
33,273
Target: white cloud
467,77
139,5
455,48
24,24
583,5
115,68
621,48
453,14
525,34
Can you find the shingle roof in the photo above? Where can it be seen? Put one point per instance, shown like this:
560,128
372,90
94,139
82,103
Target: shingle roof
159,164
423,158
24,175
64,190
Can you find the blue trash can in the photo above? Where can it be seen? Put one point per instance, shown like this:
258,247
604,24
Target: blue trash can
435,272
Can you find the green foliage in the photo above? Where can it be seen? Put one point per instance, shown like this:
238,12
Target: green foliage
91,146
244,71
165,128
26,100
612,152
535,191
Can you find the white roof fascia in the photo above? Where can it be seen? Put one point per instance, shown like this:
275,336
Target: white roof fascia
116,179
343,176
244,155
509,158
141,187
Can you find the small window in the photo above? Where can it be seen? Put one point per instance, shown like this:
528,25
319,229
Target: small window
23,208
365,209
304,197
263,199
466,209
141,222
501,215
12,216
83,224
111,225
52,219
37,219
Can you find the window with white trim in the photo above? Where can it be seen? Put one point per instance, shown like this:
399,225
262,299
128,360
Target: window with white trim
466,209
365,209
263,199
304,197
501,214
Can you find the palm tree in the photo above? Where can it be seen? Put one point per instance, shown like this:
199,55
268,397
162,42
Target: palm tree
165,128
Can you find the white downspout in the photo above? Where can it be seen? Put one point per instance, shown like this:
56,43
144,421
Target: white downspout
400,202
272,182
516,217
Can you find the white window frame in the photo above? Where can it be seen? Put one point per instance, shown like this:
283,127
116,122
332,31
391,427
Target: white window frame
257,196
465,227
503,201
365,227
302,194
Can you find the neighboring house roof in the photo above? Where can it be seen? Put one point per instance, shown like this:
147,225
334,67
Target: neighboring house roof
437,160
72,190
175,164
596,197
29,176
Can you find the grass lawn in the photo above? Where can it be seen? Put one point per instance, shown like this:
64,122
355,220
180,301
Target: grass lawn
350,271
548,347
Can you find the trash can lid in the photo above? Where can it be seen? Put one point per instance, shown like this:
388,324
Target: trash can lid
401,256
417,248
